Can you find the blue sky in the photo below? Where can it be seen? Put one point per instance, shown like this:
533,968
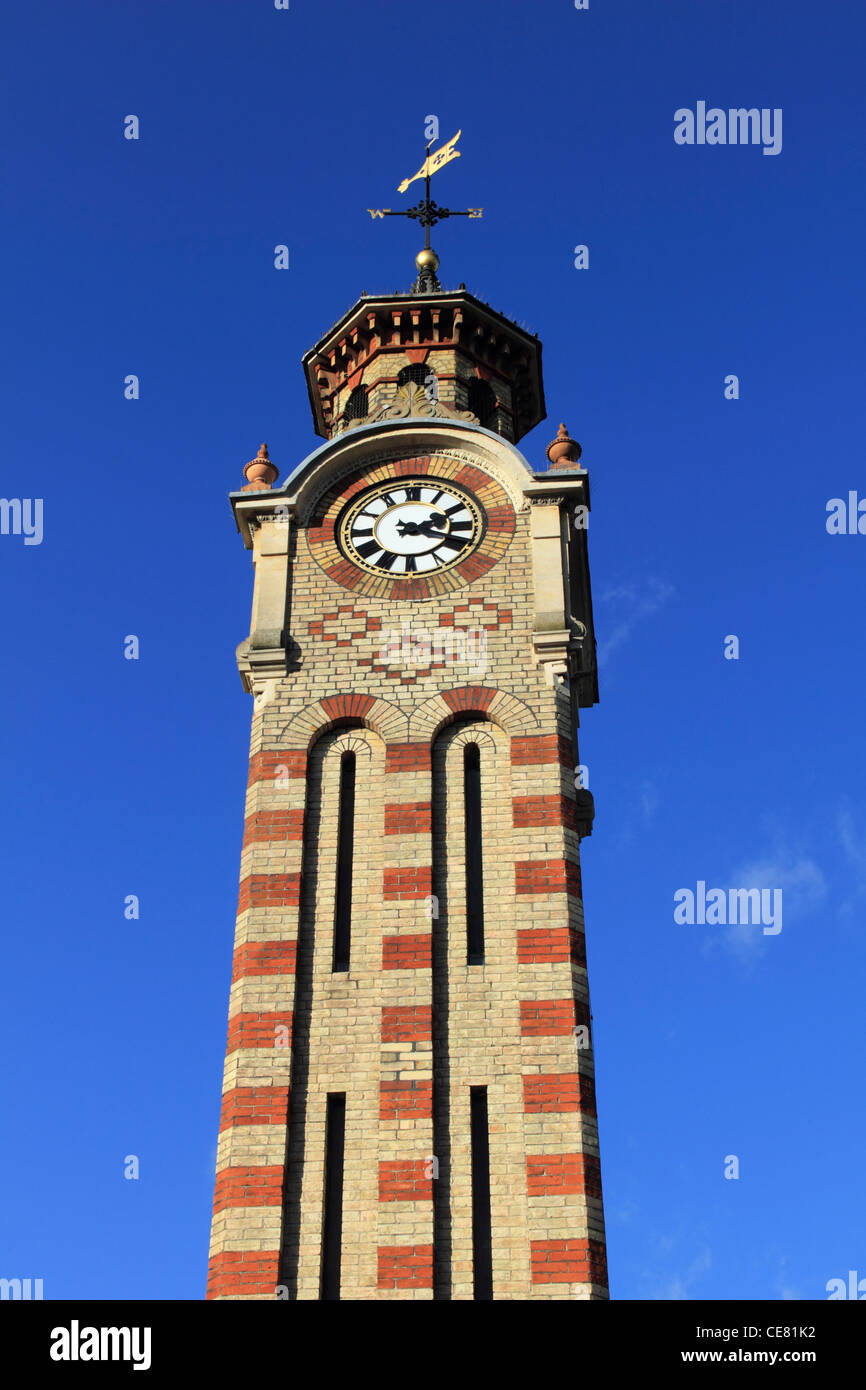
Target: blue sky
155,257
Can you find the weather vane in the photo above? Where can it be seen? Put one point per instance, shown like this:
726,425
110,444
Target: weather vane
428,212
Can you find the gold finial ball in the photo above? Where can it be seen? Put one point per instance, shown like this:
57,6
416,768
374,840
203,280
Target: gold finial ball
427,259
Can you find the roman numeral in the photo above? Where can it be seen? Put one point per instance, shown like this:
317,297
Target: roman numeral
453,542
368,548
386,560
413,494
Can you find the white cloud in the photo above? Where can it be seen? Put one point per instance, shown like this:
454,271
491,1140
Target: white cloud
634,602
679,1286
802,886
649,799
853,842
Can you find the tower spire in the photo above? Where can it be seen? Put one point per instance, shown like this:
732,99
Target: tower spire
427,212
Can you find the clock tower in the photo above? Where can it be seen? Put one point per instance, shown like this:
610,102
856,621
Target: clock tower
408,1105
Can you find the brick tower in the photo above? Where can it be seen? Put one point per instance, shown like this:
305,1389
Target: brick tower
408,1102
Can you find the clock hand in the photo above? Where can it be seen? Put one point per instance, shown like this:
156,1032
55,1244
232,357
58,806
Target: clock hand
428,528
417,528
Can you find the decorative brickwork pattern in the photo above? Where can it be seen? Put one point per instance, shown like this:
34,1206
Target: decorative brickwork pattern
264,958
569,1262
405,1267
269,890
254,1105
407,881
410,952
260,1030
405,1180
243,1274
411,1026
249,1187
558,1092
410,1023
399,1100
407,818
562,1175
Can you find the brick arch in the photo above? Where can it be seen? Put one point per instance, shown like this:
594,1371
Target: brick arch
511,714
472,732
384,718
349,740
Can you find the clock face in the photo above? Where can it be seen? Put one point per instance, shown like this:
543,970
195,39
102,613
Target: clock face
410,526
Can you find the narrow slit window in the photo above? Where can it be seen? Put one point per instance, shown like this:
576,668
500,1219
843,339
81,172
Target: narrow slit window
482,1250
474,865
332,1233
345,855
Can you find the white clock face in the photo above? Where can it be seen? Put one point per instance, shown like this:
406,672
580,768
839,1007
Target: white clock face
410,526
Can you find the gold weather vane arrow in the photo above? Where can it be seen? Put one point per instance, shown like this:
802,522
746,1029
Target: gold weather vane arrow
427,212
443,155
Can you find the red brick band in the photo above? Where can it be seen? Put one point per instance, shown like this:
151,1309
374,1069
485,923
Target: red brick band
407,757
531,750
254,1273
405,1180
545,810
273,825
400,1100
568,1262
269,890
273,1029
408,817
407,1023
558,1092
562,1175
255,1105
546,1017
412,951
265,958
410,881
405,1267
270,766
249,1187
547,876
550,945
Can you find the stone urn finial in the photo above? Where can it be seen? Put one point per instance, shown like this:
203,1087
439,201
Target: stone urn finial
563,451
260,473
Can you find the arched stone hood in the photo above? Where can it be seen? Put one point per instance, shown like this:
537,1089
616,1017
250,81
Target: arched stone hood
557,501
403,438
